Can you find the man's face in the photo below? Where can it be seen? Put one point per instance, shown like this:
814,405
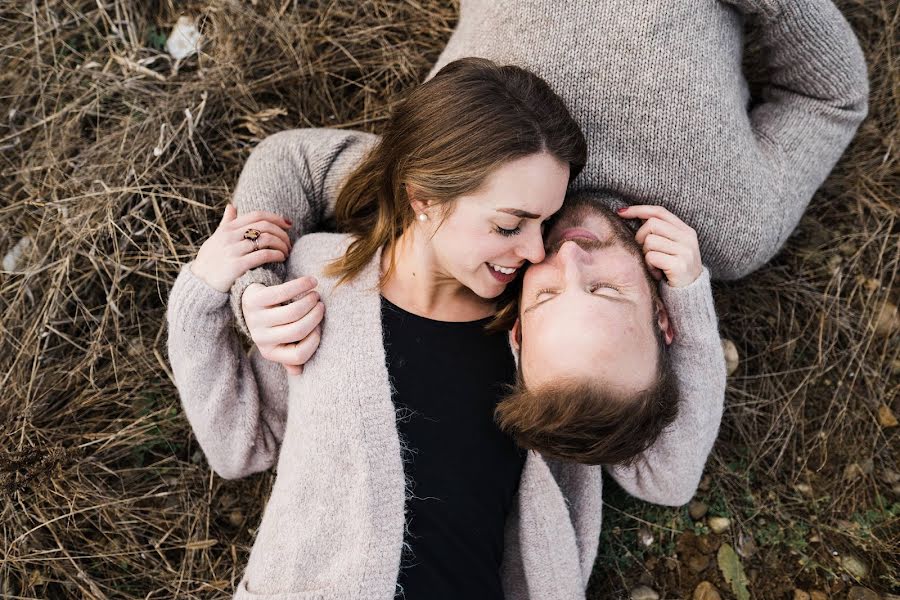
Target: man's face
588,310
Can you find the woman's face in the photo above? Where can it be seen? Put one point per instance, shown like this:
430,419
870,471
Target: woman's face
489,236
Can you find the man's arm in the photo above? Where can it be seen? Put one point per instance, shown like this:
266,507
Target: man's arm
235,403
814,99
669,471
296,174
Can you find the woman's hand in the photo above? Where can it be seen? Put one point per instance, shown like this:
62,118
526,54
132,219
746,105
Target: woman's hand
226,255
670,246
285,321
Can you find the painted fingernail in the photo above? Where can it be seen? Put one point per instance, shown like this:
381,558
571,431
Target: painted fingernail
288,221
621,210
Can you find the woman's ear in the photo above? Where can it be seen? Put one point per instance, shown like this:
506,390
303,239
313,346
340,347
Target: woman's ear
418,205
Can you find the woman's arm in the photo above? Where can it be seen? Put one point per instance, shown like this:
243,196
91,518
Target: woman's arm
296,174
235,403
669,471
815,96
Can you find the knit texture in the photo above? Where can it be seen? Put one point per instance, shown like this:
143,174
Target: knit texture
657,88
333,526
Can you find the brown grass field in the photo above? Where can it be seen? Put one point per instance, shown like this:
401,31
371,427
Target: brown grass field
105,492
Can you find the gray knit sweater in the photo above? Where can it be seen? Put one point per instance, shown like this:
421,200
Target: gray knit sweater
333,526
658,90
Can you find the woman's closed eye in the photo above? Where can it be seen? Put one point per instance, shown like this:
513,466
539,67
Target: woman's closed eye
508,232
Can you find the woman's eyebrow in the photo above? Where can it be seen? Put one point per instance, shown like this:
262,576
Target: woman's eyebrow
523,214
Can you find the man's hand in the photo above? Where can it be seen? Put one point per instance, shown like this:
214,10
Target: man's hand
285,321
670,246
226,255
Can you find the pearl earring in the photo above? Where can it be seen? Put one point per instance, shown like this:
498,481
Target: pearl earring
422,217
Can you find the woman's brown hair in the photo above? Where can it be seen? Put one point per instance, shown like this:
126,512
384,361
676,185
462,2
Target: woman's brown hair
443,141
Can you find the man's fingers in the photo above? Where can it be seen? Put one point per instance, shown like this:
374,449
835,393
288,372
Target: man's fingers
658,227
261,215
276,295
649,211
292,332
289,313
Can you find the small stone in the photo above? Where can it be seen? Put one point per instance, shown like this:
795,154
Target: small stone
746,546
855,566
886,417
236,517
814,539
804,488
888,320
698,563
890,476
719,524
706,591
853,471
896,489
651,563
732,358
184,39
697,509
642,592
707,480
867,466
645,537
818,595
834,263
857,592
197,457
801,595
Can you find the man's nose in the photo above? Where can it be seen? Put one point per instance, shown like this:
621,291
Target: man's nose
572,258
532,248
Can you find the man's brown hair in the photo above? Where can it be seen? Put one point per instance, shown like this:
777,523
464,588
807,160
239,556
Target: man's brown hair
443,141
580,419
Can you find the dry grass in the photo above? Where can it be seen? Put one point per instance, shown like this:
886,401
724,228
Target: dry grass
104,491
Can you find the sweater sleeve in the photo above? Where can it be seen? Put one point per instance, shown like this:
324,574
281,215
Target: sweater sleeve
669,471
814,98
236,403
297,174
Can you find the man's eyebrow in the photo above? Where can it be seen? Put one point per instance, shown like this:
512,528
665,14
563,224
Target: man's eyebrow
523,214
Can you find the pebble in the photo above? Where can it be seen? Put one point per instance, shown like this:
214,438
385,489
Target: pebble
888,320
645,537
642,592
801,595
852,471
854,566
803,488
732,358
706,591
886,417
697,509
236,517
857,592
889,476
698,563
818,595
719,524
746,546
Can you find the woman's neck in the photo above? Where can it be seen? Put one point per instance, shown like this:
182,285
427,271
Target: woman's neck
418,285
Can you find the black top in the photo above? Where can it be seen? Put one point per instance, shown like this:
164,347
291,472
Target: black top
462,471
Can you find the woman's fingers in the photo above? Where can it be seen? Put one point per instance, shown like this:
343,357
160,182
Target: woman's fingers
264,227
265,241
275,295
658,243
260,215
292,332
289,313
650,211
298,353
255,259
664,262
657,227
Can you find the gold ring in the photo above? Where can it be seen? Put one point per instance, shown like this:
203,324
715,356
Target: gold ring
253,236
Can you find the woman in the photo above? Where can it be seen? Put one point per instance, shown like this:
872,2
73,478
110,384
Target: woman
441,215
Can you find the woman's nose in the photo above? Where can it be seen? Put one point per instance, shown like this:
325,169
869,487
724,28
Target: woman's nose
532,249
